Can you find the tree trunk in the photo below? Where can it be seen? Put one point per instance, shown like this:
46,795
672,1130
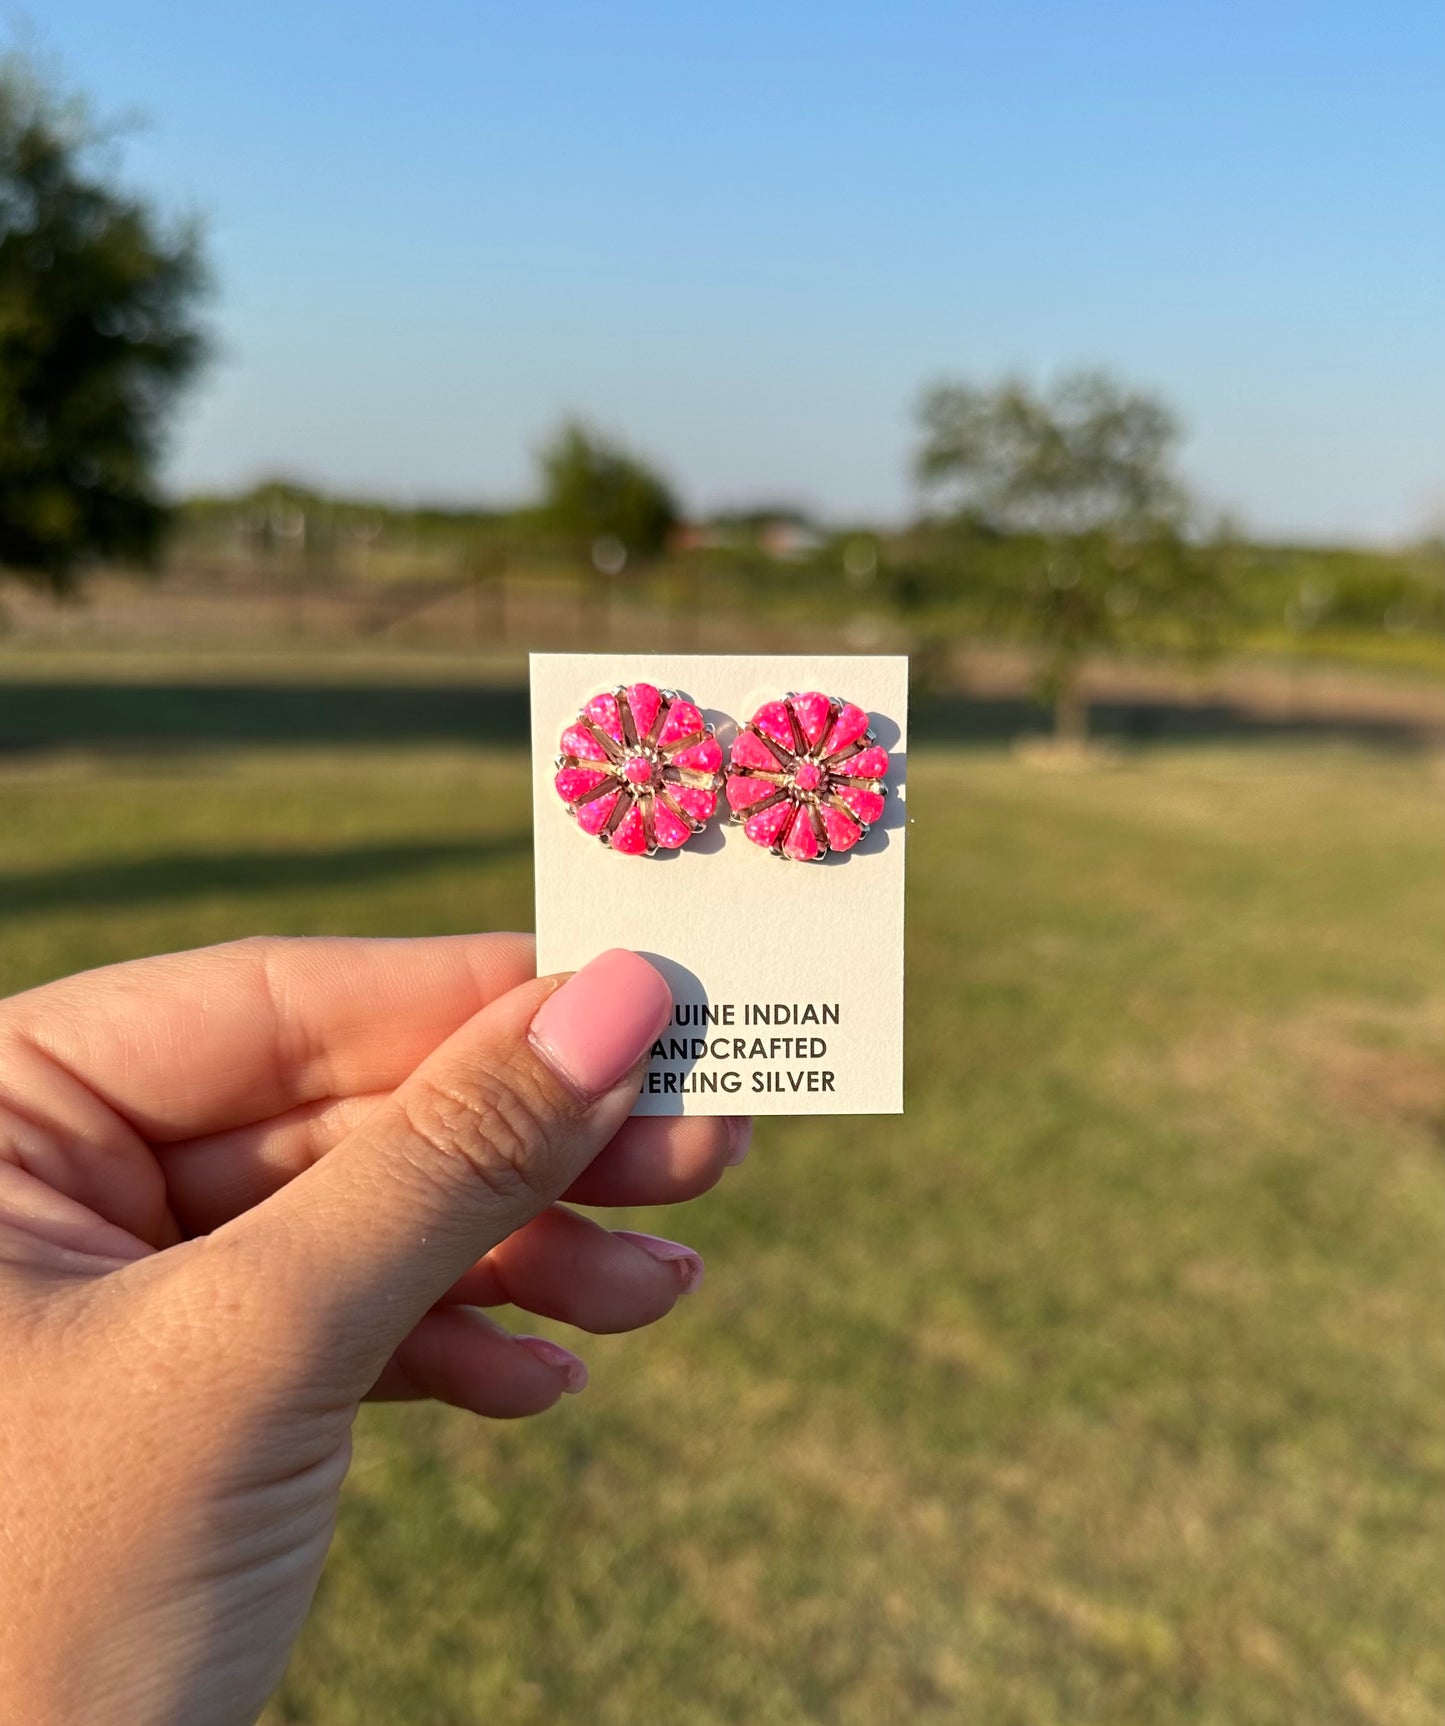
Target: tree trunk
489,598
687,606
1071,712
593,612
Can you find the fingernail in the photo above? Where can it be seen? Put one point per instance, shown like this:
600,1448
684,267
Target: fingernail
683,1260
602,1021
573,1370
740,1138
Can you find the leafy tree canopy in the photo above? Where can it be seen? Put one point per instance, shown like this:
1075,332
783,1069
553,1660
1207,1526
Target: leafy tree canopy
1088,455
98,332
1075,519
594,491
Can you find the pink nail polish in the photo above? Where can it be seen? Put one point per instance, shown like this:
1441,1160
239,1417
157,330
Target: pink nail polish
602,1021
740,1138
683,1260
573,1370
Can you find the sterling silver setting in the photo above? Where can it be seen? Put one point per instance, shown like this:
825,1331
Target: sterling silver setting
639,769
806,777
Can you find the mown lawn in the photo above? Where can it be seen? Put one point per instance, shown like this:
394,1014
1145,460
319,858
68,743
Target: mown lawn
1108,1385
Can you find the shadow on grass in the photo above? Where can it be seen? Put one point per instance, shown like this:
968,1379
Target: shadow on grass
177,875
179,716
1138,724
42,715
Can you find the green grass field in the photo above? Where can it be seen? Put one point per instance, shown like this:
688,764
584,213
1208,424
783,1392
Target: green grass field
1108,1385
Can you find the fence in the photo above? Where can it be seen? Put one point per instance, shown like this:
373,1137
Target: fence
679,610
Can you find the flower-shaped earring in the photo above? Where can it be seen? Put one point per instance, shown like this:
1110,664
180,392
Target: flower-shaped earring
639,769
806,777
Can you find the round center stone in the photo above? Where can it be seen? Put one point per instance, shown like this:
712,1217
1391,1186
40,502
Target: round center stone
638,770
808,776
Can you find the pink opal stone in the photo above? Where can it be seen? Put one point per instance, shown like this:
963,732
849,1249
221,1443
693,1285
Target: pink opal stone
772,720
575,782
644,701
592,817
749,750
683,720
578,740
694,800
704,757
764,829
808,776
743,793
630,836
848,727
802,842
812,712
843,832
866,805
866,764
667,828
638,769
606,715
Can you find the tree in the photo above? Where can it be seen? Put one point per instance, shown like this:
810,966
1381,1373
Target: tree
1073,496
98,333
605,502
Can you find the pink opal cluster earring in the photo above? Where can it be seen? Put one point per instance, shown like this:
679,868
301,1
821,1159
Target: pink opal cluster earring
805,776
640,768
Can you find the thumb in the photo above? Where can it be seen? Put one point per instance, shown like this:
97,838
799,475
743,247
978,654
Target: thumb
481,1138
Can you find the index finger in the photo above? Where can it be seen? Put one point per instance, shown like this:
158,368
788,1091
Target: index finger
219,1037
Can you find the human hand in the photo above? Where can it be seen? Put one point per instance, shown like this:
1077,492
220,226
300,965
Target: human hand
241,1189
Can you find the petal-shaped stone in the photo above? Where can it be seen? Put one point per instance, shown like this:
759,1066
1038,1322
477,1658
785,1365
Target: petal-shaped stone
592,817
843,832
644,701
802,842
704,757
575,782
749,750
669,829
630,835
866,764
772,720
764,829
606,715
683,720
694,800
578,740
743,792
812,712
866,805
848,727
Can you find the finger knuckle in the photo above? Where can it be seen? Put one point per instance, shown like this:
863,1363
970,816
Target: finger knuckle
482,1129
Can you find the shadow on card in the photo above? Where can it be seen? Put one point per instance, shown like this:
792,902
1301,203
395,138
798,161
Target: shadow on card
887,734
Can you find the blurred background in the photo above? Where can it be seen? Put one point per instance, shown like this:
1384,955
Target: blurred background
1093,356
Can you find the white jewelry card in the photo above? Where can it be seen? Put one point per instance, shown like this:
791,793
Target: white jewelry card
787,976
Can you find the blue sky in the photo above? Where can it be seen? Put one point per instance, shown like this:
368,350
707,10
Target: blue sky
745,234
